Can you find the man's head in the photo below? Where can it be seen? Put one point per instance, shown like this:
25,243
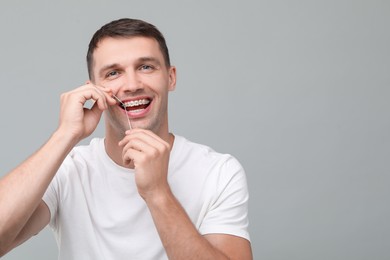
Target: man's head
125,28
130,58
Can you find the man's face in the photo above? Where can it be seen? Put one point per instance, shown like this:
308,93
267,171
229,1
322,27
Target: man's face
135,70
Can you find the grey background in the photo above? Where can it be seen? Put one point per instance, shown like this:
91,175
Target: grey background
298,91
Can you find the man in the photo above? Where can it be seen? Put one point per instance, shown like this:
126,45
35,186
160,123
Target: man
139,193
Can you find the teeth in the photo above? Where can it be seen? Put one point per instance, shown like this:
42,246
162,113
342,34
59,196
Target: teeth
137,111
137,103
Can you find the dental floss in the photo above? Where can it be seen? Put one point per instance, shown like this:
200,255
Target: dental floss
117,99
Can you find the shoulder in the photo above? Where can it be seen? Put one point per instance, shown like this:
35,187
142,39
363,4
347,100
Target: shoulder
205,158
91,149
81,157
186,147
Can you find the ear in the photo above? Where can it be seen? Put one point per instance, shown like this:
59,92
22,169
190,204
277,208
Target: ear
172,78
88,82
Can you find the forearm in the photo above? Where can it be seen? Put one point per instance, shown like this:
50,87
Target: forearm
179,236
22,189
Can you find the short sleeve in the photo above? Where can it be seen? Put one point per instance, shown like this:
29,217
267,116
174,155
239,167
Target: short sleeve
52,195
51,199
228,212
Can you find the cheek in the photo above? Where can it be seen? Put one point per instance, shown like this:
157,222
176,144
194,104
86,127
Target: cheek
158,85
114,85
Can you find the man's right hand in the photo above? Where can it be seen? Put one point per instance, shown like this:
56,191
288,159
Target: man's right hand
75,119
23,214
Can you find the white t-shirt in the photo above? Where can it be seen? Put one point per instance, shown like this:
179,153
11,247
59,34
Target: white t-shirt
97,213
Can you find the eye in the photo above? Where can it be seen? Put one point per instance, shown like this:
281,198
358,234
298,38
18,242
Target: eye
146,67
112,74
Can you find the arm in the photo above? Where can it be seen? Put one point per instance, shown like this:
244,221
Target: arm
181,239
38,220
22,211
150,156
21,190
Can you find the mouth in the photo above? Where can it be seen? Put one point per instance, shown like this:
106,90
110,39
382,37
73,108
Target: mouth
135,105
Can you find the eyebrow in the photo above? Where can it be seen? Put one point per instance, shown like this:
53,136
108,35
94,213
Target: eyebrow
107,67
150,59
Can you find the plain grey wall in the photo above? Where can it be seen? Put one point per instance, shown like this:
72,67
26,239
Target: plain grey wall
298,91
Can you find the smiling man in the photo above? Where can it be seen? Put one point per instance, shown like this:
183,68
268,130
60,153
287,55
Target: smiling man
139,193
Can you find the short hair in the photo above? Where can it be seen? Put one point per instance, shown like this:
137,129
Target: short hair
126,28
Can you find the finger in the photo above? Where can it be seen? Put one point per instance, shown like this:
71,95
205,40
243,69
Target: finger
95,109
145,141
130,137
132,149
108,92
133,144
90,92
149,135
147,145
131,156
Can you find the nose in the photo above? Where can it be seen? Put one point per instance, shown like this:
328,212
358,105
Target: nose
132,83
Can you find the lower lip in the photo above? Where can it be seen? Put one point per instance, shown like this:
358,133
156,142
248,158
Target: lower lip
139,113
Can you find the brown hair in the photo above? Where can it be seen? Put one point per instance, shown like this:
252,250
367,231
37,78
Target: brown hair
126,28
